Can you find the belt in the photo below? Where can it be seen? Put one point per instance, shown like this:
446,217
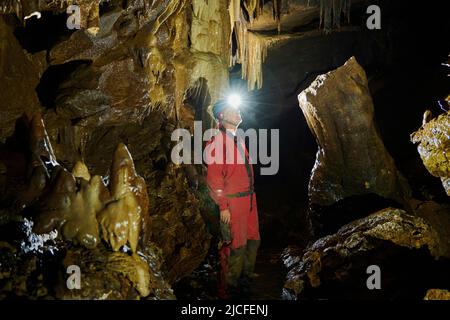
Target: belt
243,194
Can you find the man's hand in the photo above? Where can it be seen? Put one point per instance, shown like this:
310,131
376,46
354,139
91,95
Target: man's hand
225,216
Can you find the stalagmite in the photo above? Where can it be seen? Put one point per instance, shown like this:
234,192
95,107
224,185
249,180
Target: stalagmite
80,170
72,210
351,159
121,220
132,267
78,202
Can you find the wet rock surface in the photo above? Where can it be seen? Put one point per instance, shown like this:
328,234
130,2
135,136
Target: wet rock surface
404,247
351,159
436,294
19,78
37,268
433,145
101,225
139,69
115,275
121,78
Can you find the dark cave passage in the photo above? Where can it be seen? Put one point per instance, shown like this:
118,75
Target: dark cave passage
399,70
41,34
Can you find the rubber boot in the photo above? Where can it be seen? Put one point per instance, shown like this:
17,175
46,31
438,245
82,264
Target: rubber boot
250,258
235,266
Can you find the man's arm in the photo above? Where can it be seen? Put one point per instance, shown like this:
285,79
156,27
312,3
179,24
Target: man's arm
215,179
216,183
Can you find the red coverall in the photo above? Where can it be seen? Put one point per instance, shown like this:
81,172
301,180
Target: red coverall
231,187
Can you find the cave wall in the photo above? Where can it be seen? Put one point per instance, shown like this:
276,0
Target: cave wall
121,78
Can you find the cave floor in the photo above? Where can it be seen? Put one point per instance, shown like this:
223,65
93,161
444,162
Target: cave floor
271,275
268,284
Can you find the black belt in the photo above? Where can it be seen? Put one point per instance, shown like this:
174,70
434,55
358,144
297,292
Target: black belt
243,194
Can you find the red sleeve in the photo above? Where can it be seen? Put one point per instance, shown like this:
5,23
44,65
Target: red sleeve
216,182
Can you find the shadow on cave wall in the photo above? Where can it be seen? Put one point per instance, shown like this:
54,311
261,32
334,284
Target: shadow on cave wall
47,89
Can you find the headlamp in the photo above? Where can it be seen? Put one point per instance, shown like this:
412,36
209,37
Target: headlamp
234,100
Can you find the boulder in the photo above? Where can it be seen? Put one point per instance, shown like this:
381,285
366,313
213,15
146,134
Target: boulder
437,294
404,247
351,159
433,145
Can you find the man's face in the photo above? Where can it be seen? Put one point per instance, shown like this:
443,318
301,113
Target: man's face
232,115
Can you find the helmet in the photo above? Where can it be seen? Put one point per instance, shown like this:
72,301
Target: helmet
219,108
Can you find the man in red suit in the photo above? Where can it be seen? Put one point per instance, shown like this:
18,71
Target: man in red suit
230,183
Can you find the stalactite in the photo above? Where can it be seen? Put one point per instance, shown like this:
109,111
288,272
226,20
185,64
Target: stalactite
173,8
276,9
252,55
252,47
211,45
234,10
331,11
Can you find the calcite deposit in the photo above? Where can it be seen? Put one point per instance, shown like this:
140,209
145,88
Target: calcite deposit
433,145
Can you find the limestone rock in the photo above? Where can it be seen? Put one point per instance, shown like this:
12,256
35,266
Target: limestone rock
433,145
438,217
41,272
106,94
84,46
75,203
29,159
115,275
123,82
337,263
124,217
437,294
351,159
19,77
71,207
177,226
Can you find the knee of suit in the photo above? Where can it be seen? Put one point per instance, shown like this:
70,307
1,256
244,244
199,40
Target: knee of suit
238,252
253,245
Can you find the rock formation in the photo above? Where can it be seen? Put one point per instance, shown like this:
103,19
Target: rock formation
433,145
337,263
351,159
436,294
76,201
123,219
122,77
77,208
95,187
